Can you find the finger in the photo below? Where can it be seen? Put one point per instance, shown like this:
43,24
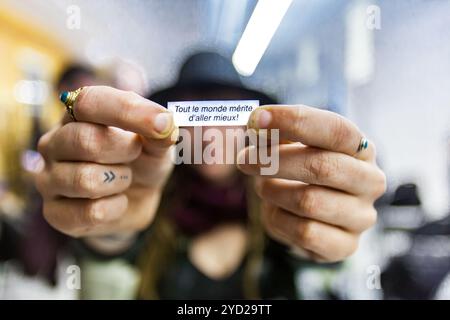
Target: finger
158,148
151,146
143,205
84,180
320,167
80,141
317,203
44,143
310,126
123,109
152,171
77,217
326,242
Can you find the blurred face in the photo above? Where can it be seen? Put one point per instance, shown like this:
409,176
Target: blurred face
219,173
81,80
217,139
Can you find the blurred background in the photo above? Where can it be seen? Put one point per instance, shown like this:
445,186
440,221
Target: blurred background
384,64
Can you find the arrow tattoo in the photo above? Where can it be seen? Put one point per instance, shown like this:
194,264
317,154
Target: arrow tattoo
109,177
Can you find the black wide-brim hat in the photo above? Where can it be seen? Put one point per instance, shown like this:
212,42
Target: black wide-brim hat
208,71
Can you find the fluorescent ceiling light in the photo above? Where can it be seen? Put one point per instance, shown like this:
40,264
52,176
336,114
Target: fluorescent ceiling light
260,29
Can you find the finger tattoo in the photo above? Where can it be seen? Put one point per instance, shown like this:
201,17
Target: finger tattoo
109,176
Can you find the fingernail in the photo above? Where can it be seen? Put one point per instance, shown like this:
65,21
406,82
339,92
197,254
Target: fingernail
163,123
261,119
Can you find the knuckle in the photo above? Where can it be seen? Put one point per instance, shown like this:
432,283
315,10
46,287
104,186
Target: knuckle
307,234
83,179
307,202
93,213
341,133
322,166
87,139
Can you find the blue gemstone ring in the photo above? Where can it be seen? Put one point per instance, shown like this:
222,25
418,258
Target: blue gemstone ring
363,145
69,98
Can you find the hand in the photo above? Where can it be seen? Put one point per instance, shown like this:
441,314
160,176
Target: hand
322,197
104,174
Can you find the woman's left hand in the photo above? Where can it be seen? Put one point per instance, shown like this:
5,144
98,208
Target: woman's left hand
321,199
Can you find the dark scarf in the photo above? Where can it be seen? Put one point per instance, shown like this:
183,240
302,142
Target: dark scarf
204,205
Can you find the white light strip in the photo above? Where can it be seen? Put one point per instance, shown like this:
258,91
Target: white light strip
260,29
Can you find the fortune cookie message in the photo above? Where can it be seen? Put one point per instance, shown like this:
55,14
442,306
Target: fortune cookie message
212,112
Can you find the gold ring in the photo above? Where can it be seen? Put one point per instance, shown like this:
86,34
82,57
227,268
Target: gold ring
69,98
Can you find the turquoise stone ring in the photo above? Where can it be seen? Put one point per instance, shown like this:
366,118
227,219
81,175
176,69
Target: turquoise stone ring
68,98
63,96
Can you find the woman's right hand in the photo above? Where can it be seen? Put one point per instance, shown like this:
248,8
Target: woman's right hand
104,174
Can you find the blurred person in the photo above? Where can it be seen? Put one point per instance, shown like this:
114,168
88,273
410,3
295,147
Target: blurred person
199,231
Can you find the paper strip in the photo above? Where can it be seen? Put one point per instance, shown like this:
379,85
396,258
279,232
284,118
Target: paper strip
212,112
